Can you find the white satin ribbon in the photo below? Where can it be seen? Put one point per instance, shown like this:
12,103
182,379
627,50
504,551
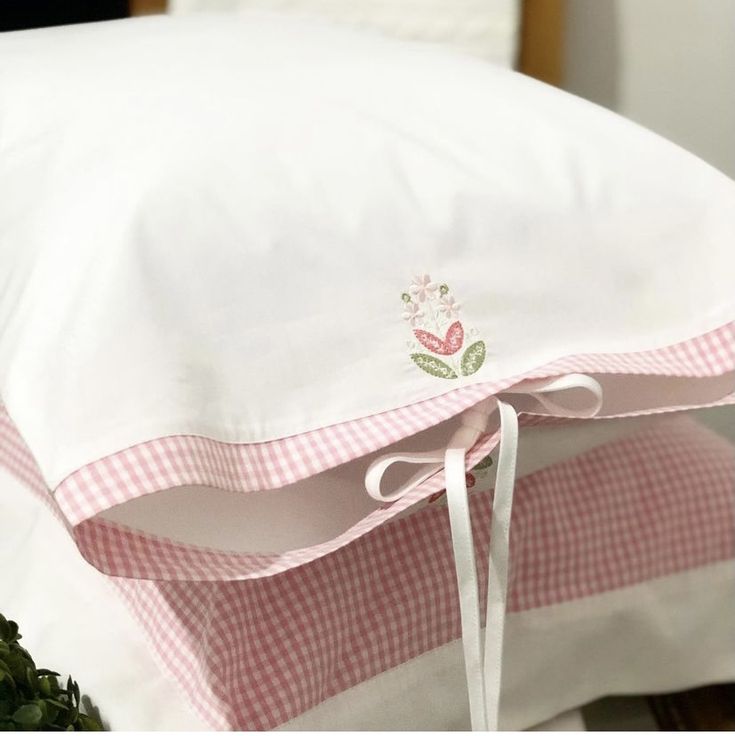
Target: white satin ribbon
483,665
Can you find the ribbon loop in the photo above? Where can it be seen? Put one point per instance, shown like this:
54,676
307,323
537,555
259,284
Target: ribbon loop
378,468
544,389
474,424
483,668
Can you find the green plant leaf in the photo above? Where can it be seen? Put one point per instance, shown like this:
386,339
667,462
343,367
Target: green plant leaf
14,635
31,679
44,685
51,712
433,366
17,664
57,703
7,676
89,723
47,673
31,699
473,358
28,715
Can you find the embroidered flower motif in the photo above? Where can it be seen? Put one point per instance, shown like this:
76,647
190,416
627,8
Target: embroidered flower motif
448,346
448,306
413,314
432,312
423,287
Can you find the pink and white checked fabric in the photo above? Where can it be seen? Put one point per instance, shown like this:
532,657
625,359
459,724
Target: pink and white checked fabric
251,654
188,460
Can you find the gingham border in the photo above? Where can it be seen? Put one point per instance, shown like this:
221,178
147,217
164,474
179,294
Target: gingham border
179,460
252,654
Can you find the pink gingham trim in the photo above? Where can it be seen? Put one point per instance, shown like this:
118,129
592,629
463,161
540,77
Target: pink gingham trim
254,654
189,460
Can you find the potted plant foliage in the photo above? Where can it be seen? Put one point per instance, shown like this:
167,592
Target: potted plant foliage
33,699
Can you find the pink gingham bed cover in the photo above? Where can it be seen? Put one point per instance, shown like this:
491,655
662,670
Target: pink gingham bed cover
253,654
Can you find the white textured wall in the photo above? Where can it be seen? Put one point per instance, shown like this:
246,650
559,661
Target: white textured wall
667,64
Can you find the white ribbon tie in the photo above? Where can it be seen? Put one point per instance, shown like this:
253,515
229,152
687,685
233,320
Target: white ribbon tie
483,664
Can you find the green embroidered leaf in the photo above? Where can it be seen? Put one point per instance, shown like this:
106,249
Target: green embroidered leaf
433,366
484,463
473,358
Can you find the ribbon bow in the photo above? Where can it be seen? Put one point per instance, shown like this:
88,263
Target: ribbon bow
583,395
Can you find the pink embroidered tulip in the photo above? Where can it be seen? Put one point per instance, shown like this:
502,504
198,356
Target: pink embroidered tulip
448,346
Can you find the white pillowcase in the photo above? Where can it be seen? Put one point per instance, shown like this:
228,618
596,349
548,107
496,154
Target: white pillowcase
213,225
240,250
326,505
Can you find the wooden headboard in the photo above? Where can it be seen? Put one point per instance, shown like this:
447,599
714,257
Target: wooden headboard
541,37
542,40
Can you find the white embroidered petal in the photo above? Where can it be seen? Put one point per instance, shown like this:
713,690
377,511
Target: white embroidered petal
412,313
449,306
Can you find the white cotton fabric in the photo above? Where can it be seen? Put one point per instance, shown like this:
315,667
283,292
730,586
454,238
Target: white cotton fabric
485,28
207,223
326,505
74,622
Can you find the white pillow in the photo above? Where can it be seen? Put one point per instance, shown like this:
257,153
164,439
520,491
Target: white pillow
485,28
240,250
207,224
329,504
